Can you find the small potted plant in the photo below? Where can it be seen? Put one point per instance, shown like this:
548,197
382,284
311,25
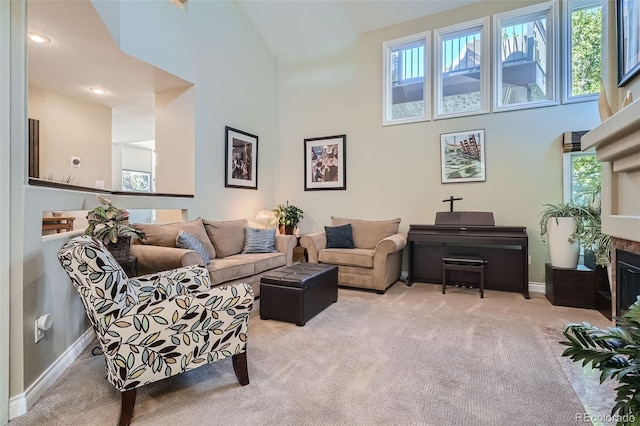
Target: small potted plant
110,225
288,217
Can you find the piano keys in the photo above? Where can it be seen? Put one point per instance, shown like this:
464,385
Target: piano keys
505,248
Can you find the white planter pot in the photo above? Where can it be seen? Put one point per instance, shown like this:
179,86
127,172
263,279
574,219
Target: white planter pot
563,253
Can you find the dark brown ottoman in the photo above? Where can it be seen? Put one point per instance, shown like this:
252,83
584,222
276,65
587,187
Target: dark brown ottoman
298,292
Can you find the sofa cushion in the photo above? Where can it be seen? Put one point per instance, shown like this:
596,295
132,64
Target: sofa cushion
259,240
368,233
227,236
352,257
339,236
165,235
229,268
263,261
189,242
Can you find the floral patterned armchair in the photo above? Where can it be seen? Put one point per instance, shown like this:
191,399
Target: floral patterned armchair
159,325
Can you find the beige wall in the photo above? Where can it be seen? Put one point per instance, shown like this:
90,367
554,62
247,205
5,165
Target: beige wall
71,127
175,150
394,171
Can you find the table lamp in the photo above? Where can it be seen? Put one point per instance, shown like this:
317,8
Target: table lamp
267,216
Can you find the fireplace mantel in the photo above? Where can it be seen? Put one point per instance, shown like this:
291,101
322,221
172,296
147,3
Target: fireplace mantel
617,144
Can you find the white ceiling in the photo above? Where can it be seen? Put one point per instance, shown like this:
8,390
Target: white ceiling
82,53
297,26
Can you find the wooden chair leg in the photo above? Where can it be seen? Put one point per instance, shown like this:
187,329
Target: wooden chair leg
126,410
240,367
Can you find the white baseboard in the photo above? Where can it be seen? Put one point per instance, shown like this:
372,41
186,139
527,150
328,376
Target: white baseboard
20,404
537,288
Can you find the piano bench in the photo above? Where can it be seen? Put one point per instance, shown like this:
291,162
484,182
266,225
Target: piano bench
463,263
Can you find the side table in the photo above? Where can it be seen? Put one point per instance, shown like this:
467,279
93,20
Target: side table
300,253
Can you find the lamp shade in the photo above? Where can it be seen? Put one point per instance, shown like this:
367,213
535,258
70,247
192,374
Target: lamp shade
265,215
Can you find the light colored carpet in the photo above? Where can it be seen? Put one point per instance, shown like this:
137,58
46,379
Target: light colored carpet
410,357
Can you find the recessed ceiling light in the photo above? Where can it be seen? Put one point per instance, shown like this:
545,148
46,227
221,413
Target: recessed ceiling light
39,38
97,91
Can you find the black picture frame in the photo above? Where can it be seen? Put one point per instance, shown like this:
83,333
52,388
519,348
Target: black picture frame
325,163
628,40
241,159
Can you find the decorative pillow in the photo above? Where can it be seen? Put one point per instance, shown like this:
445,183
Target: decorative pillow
166,235
339,236
259,240
227,236
187,241
368,233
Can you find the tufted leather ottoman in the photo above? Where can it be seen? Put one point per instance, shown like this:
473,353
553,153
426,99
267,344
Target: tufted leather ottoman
298,292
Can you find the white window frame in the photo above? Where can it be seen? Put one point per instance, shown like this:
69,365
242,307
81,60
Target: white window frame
568,7
482,26
567,171
387,47
552,59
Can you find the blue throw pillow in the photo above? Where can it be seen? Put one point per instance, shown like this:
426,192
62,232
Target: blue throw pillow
259,240
187,241
339,236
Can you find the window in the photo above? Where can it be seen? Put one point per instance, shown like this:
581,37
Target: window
526,50
405,80
462,69
581,176
582,49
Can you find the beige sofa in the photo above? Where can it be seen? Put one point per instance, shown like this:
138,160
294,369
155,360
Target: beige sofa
223,241
374,263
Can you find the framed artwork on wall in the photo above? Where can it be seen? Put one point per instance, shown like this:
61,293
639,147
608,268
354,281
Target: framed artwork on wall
241,159
462,156
136,181
325,163
628,35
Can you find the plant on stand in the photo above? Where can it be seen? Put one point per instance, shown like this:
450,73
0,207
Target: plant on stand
110,225
288,217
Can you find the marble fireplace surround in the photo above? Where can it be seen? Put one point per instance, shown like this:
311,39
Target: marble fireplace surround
617,144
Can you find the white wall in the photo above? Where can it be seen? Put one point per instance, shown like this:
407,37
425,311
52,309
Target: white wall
71,127
394,171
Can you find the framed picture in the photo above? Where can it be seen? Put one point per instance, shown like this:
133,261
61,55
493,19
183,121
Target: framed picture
136,181
241,164
628,32
325,163
462,156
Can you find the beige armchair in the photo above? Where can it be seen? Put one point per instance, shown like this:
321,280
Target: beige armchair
374,263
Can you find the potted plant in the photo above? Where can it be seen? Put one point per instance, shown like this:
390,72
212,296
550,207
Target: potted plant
110,225
614,351
561,225
288,217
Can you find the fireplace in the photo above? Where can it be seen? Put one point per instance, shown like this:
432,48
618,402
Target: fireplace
627,280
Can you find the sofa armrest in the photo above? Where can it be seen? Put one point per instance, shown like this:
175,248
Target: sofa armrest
391,244
314,243
285,244
152,259
165,284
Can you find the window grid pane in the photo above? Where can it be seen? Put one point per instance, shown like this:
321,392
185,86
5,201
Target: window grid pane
524,61
407,80
460,72
586,48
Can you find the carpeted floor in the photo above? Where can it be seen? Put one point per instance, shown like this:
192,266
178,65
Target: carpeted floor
410,357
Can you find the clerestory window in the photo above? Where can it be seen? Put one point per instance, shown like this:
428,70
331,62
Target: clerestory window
405,91
526,55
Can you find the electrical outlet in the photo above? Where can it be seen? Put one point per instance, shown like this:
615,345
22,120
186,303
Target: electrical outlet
529,259
75,161
39,333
